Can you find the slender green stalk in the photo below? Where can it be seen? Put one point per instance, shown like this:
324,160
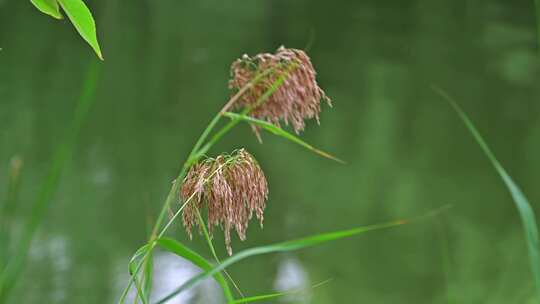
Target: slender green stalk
234,121
147,249
147,279
194,155
213,250
140,292
197,153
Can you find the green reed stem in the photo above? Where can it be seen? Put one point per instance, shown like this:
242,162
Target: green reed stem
213,250
140,290
194,157
234,121
197,152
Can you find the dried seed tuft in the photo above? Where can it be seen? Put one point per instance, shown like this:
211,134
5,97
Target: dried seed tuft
297,99
233,187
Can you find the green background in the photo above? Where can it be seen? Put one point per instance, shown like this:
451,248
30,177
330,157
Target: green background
165,75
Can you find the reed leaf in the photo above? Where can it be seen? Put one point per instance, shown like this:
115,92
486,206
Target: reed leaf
280,132
279,247
523,206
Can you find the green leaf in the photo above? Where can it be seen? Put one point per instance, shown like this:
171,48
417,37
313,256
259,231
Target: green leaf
82,19
526,213
279,247
49,7
279,132
181,250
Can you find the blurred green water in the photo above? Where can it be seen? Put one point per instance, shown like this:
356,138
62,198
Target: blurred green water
165,75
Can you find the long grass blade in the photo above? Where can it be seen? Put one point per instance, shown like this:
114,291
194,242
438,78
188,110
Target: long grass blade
279,247
523,206
276,294
62,155
177,248
280,132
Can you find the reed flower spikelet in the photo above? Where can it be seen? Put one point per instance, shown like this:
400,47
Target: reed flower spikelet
233,188
297,99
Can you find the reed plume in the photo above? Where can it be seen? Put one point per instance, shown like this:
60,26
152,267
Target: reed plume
233,188
297,99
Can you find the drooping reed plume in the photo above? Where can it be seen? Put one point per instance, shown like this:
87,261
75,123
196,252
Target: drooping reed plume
297,99
231,187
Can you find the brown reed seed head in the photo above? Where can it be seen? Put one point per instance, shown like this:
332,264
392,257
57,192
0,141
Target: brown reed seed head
299,96
233,187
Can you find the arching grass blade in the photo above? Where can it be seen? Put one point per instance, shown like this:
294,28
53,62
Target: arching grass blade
279,247
525,210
